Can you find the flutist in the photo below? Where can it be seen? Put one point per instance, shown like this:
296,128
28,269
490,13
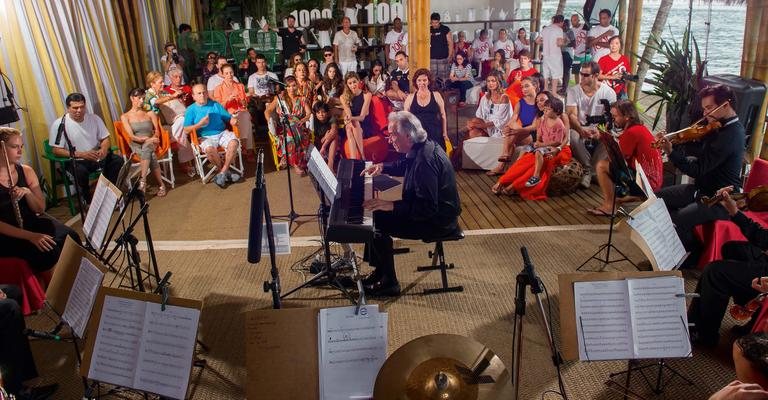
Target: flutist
25,231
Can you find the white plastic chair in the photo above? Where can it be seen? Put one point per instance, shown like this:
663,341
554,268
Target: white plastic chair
201,160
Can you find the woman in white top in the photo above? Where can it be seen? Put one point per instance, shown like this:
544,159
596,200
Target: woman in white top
377,80
493,112
522,42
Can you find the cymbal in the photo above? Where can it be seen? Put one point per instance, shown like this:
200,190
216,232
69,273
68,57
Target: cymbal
443,367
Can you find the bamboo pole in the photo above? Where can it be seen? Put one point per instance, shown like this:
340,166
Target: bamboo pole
751,32
622,17
634,43
418,34
760,73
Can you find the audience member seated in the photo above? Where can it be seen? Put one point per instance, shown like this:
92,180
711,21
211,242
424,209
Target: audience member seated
261,90
209,118
209,69
750,358
461,76
170,102
499,64
529,175
292,62
37,238
737,390
493,112
304,88
314,76
396,40
232,96
734,276
508,46
399,83
613,66
19,373
522,43
364,138
326,132
330,90
377,80
143,129
248,66
292,142
428,106
515,77
327,59
584,100
90,139
481,51
635,144
215,80
462,45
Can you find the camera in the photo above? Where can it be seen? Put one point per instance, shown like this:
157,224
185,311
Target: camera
604,118
625,76
175,56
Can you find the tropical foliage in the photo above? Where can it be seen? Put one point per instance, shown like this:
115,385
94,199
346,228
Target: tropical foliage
676,80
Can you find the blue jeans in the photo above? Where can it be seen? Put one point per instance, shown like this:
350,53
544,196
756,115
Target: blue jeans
462,86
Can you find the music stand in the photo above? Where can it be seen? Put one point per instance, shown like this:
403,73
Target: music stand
62,131
325,184
624,182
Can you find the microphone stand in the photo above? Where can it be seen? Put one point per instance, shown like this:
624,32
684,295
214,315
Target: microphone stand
273,285
292,214
73,164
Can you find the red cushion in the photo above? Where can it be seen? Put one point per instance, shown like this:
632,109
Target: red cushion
717,233
15,271
758,175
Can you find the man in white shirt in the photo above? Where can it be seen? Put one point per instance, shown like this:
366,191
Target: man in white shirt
345,44
90,139
215,80
580,49
396,40
481,48
261,90
600,35
553,40
584,100
505,44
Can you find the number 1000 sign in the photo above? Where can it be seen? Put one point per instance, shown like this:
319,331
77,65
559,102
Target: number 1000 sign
382,13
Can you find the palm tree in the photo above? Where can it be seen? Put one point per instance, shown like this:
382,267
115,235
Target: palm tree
650,47
560,7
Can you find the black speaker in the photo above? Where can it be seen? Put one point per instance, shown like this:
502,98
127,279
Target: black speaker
749,98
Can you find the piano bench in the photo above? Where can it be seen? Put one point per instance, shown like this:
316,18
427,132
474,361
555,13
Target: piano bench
438,262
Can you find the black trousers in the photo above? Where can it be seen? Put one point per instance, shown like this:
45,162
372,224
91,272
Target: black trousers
109,166
379,253
687,212
38,261
16,362
567,62
721,280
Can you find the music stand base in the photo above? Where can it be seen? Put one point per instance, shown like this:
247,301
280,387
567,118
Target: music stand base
604,260
658,387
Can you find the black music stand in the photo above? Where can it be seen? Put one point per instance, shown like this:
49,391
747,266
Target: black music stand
81,204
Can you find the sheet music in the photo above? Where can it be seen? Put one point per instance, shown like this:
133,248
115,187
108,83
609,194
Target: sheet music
100,212
81,297
642,180
322,174
654,225
167,348
352,350
659,317
603,325
116,351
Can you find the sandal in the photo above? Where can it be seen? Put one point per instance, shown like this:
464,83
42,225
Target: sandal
161,192
598,212
496,189
493,172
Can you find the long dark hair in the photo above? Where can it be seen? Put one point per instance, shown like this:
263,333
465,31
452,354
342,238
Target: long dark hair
627,109
337,82
463,54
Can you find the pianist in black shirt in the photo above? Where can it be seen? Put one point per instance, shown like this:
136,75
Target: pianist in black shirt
430,202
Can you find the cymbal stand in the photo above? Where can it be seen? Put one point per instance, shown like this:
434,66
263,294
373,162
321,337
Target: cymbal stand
608,246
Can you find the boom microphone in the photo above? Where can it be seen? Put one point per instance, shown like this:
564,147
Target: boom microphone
41,335
258,194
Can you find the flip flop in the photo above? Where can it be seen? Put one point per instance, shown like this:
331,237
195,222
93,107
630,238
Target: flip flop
598,212
493,173
496,190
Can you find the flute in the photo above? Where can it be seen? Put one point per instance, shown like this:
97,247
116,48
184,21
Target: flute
12,185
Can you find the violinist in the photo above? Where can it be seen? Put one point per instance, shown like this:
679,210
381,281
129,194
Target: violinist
714,162
738,275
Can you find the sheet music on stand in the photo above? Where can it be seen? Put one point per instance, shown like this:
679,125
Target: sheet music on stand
642,180
322,174
100,212
352,348
87,283
632,318
654,232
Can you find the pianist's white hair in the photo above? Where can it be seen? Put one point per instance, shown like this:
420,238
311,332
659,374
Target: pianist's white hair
407,123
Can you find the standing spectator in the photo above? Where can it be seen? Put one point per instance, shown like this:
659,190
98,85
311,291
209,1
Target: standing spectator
461,76
462,45
396,40
345,44
522,42
209,69
552,57
613,67
215,80
232,96
599,35
248,66
428,106
508,46
188,49
481,48
171,60
292,38
570,43
440,47
327,59
580,49
377,79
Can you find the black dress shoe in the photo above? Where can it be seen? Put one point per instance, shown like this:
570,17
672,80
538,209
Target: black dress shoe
39,392
383,289
349,283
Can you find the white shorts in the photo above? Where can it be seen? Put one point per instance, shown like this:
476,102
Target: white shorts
347,66
552,67
222,139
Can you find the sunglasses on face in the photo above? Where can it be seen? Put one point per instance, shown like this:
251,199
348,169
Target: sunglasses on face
328,54
585,75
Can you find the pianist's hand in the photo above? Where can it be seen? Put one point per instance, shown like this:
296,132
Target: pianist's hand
373,170
378,205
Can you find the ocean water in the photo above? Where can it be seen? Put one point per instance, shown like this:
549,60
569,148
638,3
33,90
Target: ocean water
723,46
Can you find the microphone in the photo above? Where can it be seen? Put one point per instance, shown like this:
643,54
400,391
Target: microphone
258,196
60,130
528,268
41,335
273,80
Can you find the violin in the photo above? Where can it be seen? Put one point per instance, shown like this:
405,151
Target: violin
695,132
755,200
744,313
